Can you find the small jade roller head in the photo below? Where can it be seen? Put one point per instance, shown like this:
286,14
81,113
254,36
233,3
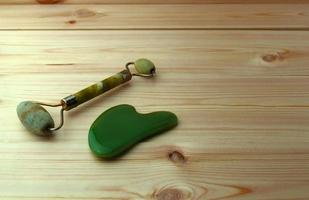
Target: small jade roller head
145,66
38,121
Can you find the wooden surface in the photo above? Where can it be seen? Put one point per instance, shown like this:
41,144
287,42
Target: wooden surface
188,16
153,1
237,76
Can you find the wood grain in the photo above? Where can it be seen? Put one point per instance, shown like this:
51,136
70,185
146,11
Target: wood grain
212,54
236,73
154,1
227,16
241,97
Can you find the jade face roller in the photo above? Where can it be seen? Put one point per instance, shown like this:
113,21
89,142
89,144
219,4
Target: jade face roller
36,118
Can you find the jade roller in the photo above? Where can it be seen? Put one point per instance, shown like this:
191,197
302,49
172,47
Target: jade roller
37,119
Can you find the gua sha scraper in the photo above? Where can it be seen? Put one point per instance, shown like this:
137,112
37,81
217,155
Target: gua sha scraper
120,127
38,121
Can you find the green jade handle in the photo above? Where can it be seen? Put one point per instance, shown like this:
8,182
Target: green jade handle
144,67
95,90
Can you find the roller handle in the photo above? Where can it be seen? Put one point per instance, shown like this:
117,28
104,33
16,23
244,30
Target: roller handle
95,90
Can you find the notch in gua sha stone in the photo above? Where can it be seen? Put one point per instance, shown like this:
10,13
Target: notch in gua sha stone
121,127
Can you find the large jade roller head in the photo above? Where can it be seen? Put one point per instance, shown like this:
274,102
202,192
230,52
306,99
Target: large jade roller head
37,119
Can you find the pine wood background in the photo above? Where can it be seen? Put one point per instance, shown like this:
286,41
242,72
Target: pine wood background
236,72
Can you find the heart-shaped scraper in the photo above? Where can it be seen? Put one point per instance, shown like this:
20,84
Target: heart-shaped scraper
120,127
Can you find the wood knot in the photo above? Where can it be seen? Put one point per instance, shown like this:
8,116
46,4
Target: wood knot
270,57
170,194
49,1
278,56
72,22
84,13
176,157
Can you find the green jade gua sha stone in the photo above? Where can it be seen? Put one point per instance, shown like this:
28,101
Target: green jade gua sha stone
120,127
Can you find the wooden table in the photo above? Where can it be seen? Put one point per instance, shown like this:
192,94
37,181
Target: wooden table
237,76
